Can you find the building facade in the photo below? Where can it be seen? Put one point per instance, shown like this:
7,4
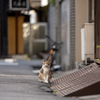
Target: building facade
74,14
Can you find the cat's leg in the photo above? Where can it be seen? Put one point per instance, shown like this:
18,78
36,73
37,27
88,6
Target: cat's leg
46,79
40,78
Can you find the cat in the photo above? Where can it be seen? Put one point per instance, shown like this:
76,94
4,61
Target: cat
45,72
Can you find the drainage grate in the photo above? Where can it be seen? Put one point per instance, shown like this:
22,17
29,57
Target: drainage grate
77,81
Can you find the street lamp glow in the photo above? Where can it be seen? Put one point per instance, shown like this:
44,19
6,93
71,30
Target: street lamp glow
44,3
33,16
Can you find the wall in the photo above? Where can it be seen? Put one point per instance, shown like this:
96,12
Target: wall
72,34
15,35
65,34
81,18
74,13
11,36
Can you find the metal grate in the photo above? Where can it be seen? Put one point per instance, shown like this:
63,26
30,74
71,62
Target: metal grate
76,81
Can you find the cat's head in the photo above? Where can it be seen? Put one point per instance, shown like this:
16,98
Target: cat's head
46,63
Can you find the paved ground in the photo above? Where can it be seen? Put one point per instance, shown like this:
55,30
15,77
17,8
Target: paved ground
17,82
25,87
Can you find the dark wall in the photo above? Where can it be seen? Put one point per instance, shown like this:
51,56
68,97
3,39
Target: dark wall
97,27
3,27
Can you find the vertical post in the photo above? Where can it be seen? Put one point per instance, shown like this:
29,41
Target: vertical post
3,28
97,27
56,17
16,21
30,42
90,10
58,29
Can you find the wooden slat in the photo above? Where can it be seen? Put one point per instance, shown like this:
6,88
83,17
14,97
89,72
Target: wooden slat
11,36
20,44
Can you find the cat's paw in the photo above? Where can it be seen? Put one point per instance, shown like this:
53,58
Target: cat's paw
46,81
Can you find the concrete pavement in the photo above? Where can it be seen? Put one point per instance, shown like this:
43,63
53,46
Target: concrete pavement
19,67
18,82
25,87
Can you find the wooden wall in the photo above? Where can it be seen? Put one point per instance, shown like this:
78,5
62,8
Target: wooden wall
20,48
11,36
15,35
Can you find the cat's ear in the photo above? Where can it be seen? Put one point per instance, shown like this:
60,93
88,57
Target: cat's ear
43,60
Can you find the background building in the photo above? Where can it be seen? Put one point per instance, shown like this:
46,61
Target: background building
72,14
15,20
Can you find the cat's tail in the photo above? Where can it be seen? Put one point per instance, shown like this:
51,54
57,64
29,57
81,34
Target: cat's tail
51,52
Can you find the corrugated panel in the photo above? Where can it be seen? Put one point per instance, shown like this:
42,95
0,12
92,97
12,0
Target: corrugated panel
76,81
74,75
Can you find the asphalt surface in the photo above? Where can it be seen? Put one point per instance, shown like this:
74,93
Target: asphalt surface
18,87
18,82
20,67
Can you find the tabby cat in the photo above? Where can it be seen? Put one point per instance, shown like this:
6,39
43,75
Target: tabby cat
45,73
